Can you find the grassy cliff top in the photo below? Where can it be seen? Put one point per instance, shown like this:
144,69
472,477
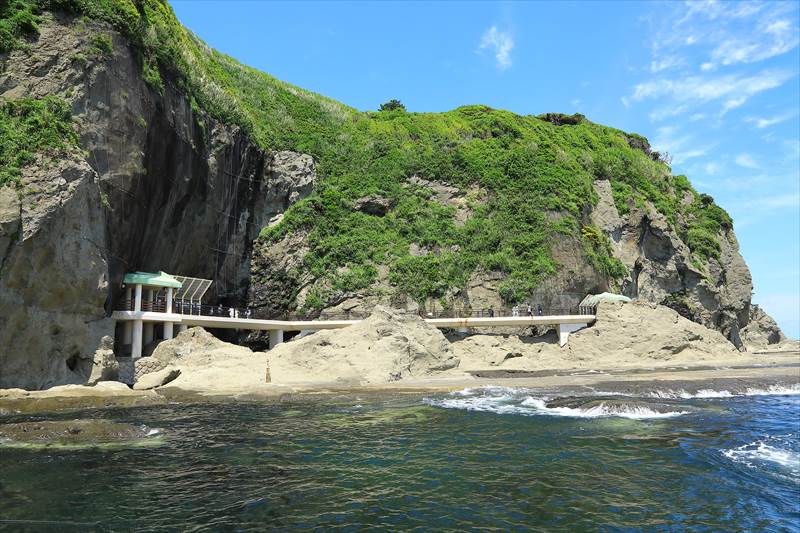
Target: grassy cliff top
527,179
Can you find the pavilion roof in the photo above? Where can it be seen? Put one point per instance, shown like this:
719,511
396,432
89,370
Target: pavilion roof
151,279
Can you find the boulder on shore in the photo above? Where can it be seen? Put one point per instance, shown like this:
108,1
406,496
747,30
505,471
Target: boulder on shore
207,364
387,346
155,379
104,364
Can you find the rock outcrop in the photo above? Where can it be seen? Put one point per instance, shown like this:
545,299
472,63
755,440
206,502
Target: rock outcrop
661,268
209,365
104,364
155,185
625,334
156,379
386,347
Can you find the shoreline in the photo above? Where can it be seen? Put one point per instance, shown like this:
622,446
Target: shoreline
632,380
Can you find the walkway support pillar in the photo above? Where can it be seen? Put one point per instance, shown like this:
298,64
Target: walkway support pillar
563,335
127,332
137,302
565,329
136,343
168,325
275,337
149,329
182,327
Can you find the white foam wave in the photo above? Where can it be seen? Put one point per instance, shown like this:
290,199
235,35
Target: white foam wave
773,390
633,412
154,431
759,452
503,400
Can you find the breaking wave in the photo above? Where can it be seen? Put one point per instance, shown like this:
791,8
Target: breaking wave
772,390
769,452
505,400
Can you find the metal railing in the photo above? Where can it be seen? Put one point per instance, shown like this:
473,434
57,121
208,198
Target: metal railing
194,308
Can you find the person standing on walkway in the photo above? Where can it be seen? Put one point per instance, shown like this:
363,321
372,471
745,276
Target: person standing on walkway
491,312
530,310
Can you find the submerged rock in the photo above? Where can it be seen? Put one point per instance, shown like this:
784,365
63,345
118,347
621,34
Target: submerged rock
71,432
612,405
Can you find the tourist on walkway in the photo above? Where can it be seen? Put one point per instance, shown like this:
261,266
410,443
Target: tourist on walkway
530,310
491,312
539,310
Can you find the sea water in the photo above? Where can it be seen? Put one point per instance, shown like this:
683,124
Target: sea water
496,459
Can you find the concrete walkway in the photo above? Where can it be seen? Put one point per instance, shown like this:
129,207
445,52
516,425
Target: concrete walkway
565,323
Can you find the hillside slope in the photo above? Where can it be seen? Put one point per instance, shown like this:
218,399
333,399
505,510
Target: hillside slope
128,144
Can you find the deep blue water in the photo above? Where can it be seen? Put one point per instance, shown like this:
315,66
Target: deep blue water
488,459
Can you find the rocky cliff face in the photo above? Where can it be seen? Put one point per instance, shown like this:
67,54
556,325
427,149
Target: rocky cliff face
661,268
659,265
155,185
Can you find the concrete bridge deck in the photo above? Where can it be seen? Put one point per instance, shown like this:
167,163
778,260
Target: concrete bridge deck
564,323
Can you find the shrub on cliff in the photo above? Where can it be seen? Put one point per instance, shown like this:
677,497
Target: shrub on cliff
31,126
534,175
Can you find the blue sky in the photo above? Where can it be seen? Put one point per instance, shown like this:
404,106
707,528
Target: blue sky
713,83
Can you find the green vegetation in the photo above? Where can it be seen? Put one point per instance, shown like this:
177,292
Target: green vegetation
530,177
32,126
598,250
17,18
101,44
392,105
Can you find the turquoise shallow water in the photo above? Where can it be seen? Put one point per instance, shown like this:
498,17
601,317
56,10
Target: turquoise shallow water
488,459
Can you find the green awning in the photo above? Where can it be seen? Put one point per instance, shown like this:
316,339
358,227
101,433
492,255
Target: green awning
162,279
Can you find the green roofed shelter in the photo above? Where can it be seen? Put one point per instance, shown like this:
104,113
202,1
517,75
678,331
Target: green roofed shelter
150,279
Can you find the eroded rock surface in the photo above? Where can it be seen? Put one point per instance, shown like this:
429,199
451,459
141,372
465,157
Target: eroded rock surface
155,185
209,365
624,335
386,347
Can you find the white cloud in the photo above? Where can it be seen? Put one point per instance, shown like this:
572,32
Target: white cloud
775,201
712,168
791,148
772,37
666,63
500,43
681,147
764,122
784,307
746,161
732,89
